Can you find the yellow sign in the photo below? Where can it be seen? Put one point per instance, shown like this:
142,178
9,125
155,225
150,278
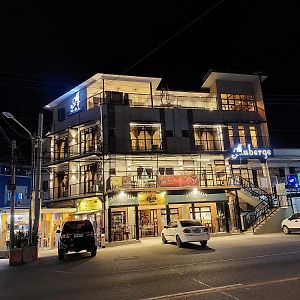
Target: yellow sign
88,204
116,181
151,198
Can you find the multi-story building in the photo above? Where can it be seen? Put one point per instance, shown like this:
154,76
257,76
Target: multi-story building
133,157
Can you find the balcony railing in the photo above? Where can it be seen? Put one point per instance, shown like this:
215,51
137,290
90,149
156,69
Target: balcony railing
73,150
151,145
257,142
209,145
162,99
78,189
207,179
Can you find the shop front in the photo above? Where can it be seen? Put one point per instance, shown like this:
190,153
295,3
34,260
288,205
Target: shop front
91,209
144,214
51,220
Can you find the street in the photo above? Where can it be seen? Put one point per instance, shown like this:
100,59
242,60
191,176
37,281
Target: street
231,267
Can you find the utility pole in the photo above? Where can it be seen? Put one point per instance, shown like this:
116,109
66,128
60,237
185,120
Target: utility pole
12,188
38,185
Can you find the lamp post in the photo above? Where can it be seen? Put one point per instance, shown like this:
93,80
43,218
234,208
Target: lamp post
10,116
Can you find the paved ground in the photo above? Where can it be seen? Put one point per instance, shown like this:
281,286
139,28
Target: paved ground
231,267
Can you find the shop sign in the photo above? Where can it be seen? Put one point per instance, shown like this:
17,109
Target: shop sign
122,199
75,105
151,198
196,197
248,152
88,204
178,181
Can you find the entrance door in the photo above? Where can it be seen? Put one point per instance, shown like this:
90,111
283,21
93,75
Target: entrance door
148,222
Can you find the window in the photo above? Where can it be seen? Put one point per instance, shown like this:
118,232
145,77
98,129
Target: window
208,138
144,172
231,136
88,138
242,135
237,102
145,137
281,172
166,171
253,136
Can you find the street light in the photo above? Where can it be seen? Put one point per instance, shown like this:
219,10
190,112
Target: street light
8,115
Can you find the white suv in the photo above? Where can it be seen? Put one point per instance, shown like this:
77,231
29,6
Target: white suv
291,224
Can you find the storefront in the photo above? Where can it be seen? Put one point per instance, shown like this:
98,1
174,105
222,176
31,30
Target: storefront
91,209
144,214
51,220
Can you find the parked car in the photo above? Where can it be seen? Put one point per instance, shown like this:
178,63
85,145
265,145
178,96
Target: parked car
77,236
291,223
185,230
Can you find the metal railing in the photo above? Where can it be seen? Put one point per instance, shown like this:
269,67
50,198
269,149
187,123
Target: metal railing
150,145
133,182
77,189
209,145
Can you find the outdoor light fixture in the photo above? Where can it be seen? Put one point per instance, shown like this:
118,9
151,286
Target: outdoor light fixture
9,115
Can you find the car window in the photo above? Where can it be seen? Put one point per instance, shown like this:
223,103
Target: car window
173,224
187,223
296,216
77,226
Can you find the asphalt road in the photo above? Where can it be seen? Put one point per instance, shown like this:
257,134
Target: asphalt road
231,267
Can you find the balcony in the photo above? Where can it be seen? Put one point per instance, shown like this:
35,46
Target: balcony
146,145
167,182
73,190
209,145
159,99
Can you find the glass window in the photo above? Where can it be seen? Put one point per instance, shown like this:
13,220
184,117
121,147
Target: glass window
237,102
231,136
145,137
187,223
242,135
253,136
208,138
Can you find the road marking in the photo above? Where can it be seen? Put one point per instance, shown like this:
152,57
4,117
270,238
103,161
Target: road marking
203,291
223,288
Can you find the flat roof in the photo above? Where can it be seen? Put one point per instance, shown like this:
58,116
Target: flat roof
131,81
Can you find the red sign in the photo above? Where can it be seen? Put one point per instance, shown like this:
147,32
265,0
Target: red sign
178,181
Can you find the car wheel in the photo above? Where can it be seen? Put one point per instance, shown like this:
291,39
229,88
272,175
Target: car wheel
61,255
203,243
178,242
94,251
285,230
163,239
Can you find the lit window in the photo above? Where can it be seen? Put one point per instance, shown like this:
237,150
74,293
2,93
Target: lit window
237,102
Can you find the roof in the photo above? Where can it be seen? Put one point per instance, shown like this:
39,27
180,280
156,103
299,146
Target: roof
212,76
113,80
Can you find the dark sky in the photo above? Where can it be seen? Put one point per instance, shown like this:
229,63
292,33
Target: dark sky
48,47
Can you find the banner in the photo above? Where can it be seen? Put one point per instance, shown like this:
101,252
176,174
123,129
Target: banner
151,198
178,181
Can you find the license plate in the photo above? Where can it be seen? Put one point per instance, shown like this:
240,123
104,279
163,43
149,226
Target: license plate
76,235
198,230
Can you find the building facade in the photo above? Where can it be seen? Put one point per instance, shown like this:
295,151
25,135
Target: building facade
132,157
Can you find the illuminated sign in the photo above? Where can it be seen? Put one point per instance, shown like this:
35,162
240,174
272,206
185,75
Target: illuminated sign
292,180
75,105
151,198
249,152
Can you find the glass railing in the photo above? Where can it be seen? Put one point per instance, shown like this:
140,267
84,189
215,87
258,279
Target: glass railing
209,145
150,145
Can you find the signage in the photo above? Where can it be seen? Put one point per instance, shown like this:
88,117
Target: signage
248,152
88,204
292,180
197,196
151,198
121,199
75,105
178,181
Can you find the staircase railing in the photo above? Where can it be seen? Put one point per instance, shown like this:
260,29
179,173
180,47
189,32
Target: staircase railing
268,204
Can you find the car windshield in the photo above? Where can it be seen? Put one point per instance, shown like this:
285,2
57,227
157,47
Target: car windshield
187,223
77,226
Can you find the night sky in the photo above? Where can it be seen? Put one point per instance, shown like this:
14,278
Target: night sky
48,47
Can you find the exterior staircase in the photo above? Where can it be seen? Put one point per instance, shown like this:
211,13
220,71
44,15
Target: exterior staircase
266,214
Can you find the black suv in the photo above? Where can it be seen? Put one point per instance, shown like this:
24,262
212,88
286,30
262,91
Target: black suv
77,236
